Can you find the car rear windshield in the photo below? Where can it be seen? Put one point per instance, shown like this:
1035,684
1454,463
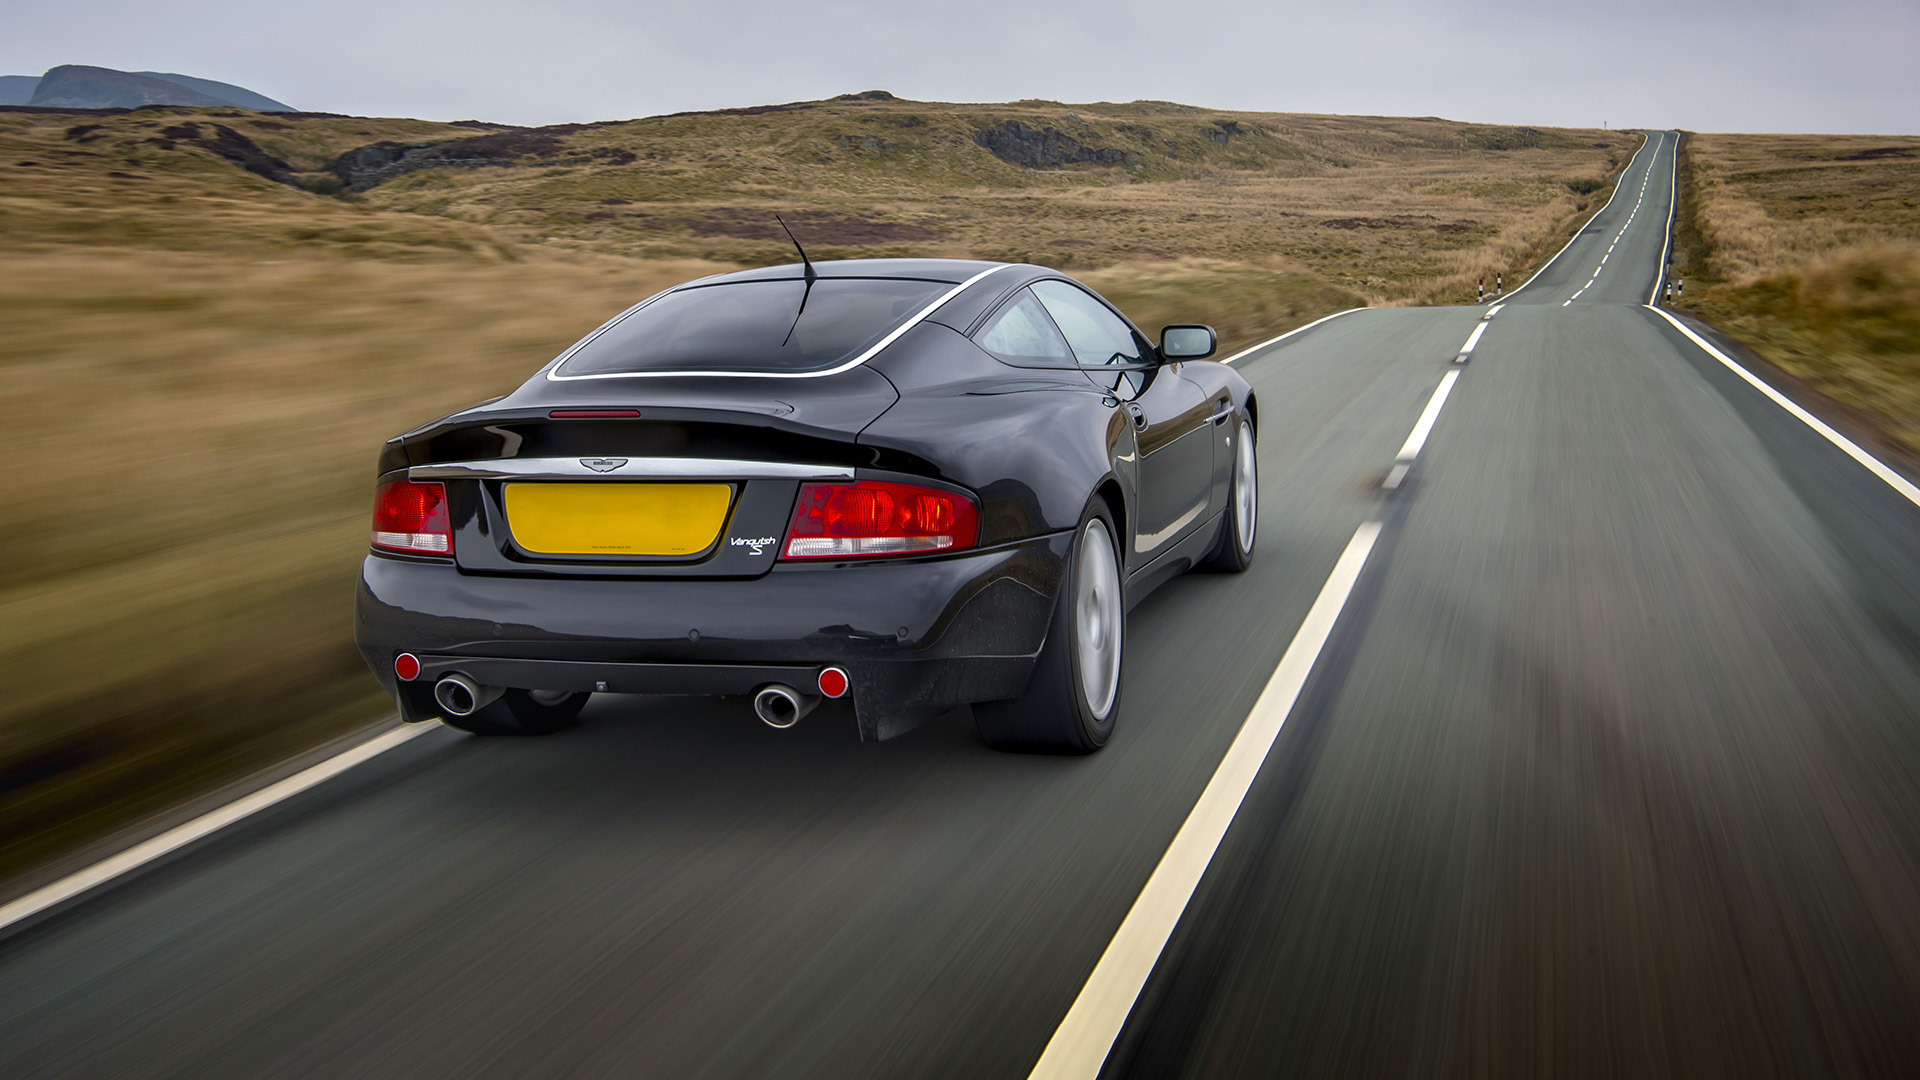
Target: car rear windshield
757,326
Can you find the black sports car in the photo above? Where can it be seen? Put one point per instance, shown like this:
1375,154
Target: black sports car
920,482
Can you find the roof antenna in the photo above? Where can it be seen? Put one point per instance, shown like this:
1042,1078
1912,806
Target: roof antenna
810,277
804,261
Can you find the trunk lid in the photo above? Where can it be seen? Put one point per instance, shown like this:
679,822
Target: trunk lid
650,477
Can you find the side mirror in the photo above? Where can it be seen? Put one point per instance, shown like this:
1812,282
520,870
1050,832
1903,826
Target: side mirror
1188,342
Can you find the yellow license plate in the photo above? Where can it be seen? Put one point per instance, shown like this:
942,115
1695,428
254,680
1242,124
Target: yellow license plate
617,519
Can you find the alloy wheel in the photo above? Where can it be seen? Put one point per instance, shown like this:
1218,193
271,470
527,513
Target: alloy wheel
1099,622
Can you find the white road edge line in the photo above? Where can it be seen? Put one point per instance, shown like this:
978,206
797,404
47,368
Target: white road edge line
1847,446
1424,426
1080,1044
206,824
1617,185
1296,330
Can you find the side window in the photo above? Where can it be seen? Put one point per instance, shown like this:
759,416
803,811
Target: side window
1023,334
1097,335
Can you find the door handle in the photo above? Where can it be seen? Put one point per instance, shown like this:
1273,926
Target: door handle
1139,415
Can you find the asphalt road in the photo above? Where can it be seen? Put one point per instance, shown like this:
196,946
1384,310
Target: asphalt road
1611,766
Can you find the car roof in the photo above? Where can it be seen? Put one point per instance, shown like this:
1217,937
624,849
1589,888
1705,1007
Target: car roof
953,271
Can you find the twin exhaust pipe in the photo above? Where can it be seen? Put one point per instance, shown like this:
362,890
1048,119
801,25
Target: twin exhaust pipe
778,705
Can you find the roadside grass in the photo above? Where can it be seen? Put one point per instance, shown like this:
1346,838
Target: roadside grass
1246,304
1807,248
200,363
195,437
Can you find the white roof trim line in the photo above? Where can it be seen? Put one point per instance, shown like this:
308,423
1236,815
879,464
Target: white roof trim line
553,371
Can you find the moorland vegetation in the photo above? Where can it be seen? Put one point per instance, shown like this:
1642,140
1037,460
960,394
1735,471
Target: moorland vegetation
1807,249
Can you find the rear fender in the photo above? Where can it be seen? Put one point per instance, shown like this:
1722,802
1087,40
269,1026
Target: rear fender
1034,444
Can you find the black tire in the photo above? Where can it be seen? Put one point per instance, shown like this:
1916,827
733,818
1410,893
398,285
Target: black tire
1055,715
1233,551
517,713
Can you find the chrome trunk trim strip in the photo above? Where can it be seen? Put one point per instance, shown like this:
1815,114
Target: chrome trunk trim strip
640,468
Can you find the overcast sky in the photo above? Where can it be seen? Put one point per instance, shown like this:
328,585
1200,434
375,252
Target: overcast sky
1707,65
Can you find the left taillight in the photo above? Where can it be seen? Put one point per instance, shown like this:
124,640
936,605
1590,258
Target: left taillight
412,518
871,518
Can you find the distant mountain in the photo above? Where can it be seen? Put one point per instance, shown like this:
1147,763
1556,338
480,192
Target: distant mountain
226,92
17,89
76,86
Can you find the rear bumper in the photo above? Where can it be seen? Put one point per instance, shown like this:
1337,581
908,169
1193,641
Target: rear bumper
916,636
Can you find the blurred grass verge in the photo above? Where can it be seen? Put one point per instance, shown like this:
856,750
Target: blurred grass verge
1807,248
211,326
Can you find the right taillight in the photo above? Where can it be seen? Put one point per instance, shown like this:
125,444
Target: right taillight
873,517
412,518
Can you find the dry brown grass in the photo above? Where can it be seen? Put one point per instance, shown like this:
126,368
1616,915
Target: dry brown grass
1395,210
200,433
200,363
1807,247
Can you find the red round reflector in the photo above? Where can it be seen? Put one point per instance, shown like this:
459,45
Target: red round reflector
407,666
833,682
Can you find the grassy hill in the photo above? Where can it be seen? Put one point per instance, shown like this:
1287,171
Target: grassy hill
216,316
1391,209
1807,247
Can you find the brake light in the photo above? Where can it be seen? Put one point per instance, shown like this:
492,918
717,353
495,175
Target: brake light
413,518
873,517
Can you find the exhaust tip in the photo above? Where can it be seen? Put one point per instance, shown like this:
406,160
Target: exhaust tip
782,706
461,696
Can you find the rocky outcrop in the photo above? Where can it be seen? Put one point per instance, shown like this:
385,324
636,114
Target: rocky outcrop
222,142
1047,148
369,166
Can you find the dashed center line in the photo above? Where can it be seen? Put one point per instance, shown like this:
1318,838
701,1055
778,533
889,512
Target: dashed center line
1474,338
1417,439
